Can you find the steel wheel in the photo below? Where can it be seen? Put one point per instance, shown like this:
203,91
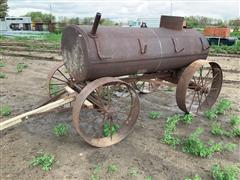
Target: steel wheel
111,119
146,86
58,78
199,86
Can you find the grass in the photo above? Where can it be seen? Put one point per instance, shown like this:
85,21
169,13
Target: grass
5,110
224,49
45,41
21,66
110,129
45,161
225,173
154,115
196,177
112,168
61,129
2,75
52,37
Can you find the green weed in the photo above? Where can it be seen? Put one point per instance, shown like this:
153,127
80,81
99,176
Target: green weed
95,177
230,147
149,178
54,89
225,173
235,120
218,130
187,118
154,115
21,66
110,129
170,127
169,139
169,89
96,171
224,49
5,110
134,172
2,64
44,160
196,177
236,131
2,75
195,146
112,168
211,114
223,105
61,129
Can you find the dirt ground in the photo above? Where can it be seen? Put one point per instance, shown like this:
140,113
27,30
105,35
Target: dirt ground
75,159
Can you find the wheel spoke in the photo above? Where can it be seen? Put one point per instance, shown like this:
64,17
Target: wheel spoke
56,92
59,79
63,75
192,101
58,84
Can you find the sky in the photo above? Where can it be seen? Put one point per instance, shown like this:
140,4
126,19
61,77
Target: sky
123,10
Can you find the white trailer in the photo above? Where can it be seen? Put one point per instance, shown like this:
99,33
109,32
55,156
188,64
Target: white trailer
15,24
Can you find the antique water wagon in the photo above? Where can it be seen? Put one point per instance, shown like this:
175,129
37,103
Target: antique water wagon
105,68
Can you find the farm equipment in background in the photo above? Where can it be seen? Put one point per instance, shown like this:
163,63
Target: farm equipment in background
219,35
105,69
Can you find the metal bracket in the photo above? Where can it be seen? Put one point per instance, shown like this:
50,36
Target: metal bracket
177,49
143,46
100,55
204,45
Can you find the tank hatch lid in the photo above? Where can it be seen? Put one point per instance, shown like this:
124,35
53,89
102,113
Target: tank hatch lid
172,22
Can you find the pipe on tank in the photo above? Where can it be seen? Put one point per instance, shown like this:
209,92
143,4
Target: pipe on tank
95,24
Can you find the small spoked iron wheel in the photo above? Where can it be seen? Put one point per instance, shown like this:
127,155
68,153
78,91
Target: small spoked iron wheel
199,86
58,79
105,111
146,86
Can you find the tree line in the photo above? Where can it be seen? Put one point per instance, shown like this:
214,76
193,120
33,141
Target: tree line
192,21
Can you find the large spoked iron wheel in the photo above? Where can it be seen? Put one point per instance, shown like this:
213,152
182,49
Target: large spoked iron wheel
199,86
113,115
57,80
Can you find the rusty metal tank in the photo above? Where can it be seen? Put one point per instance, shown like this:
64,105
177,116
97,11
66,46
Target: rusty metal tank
93,52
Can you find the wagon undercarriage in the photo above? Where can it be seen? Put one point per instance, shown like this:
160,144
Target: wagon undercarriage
105,110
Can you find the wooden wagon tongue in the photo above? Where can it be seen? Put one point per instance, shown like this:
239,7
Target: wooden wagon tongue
50,106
